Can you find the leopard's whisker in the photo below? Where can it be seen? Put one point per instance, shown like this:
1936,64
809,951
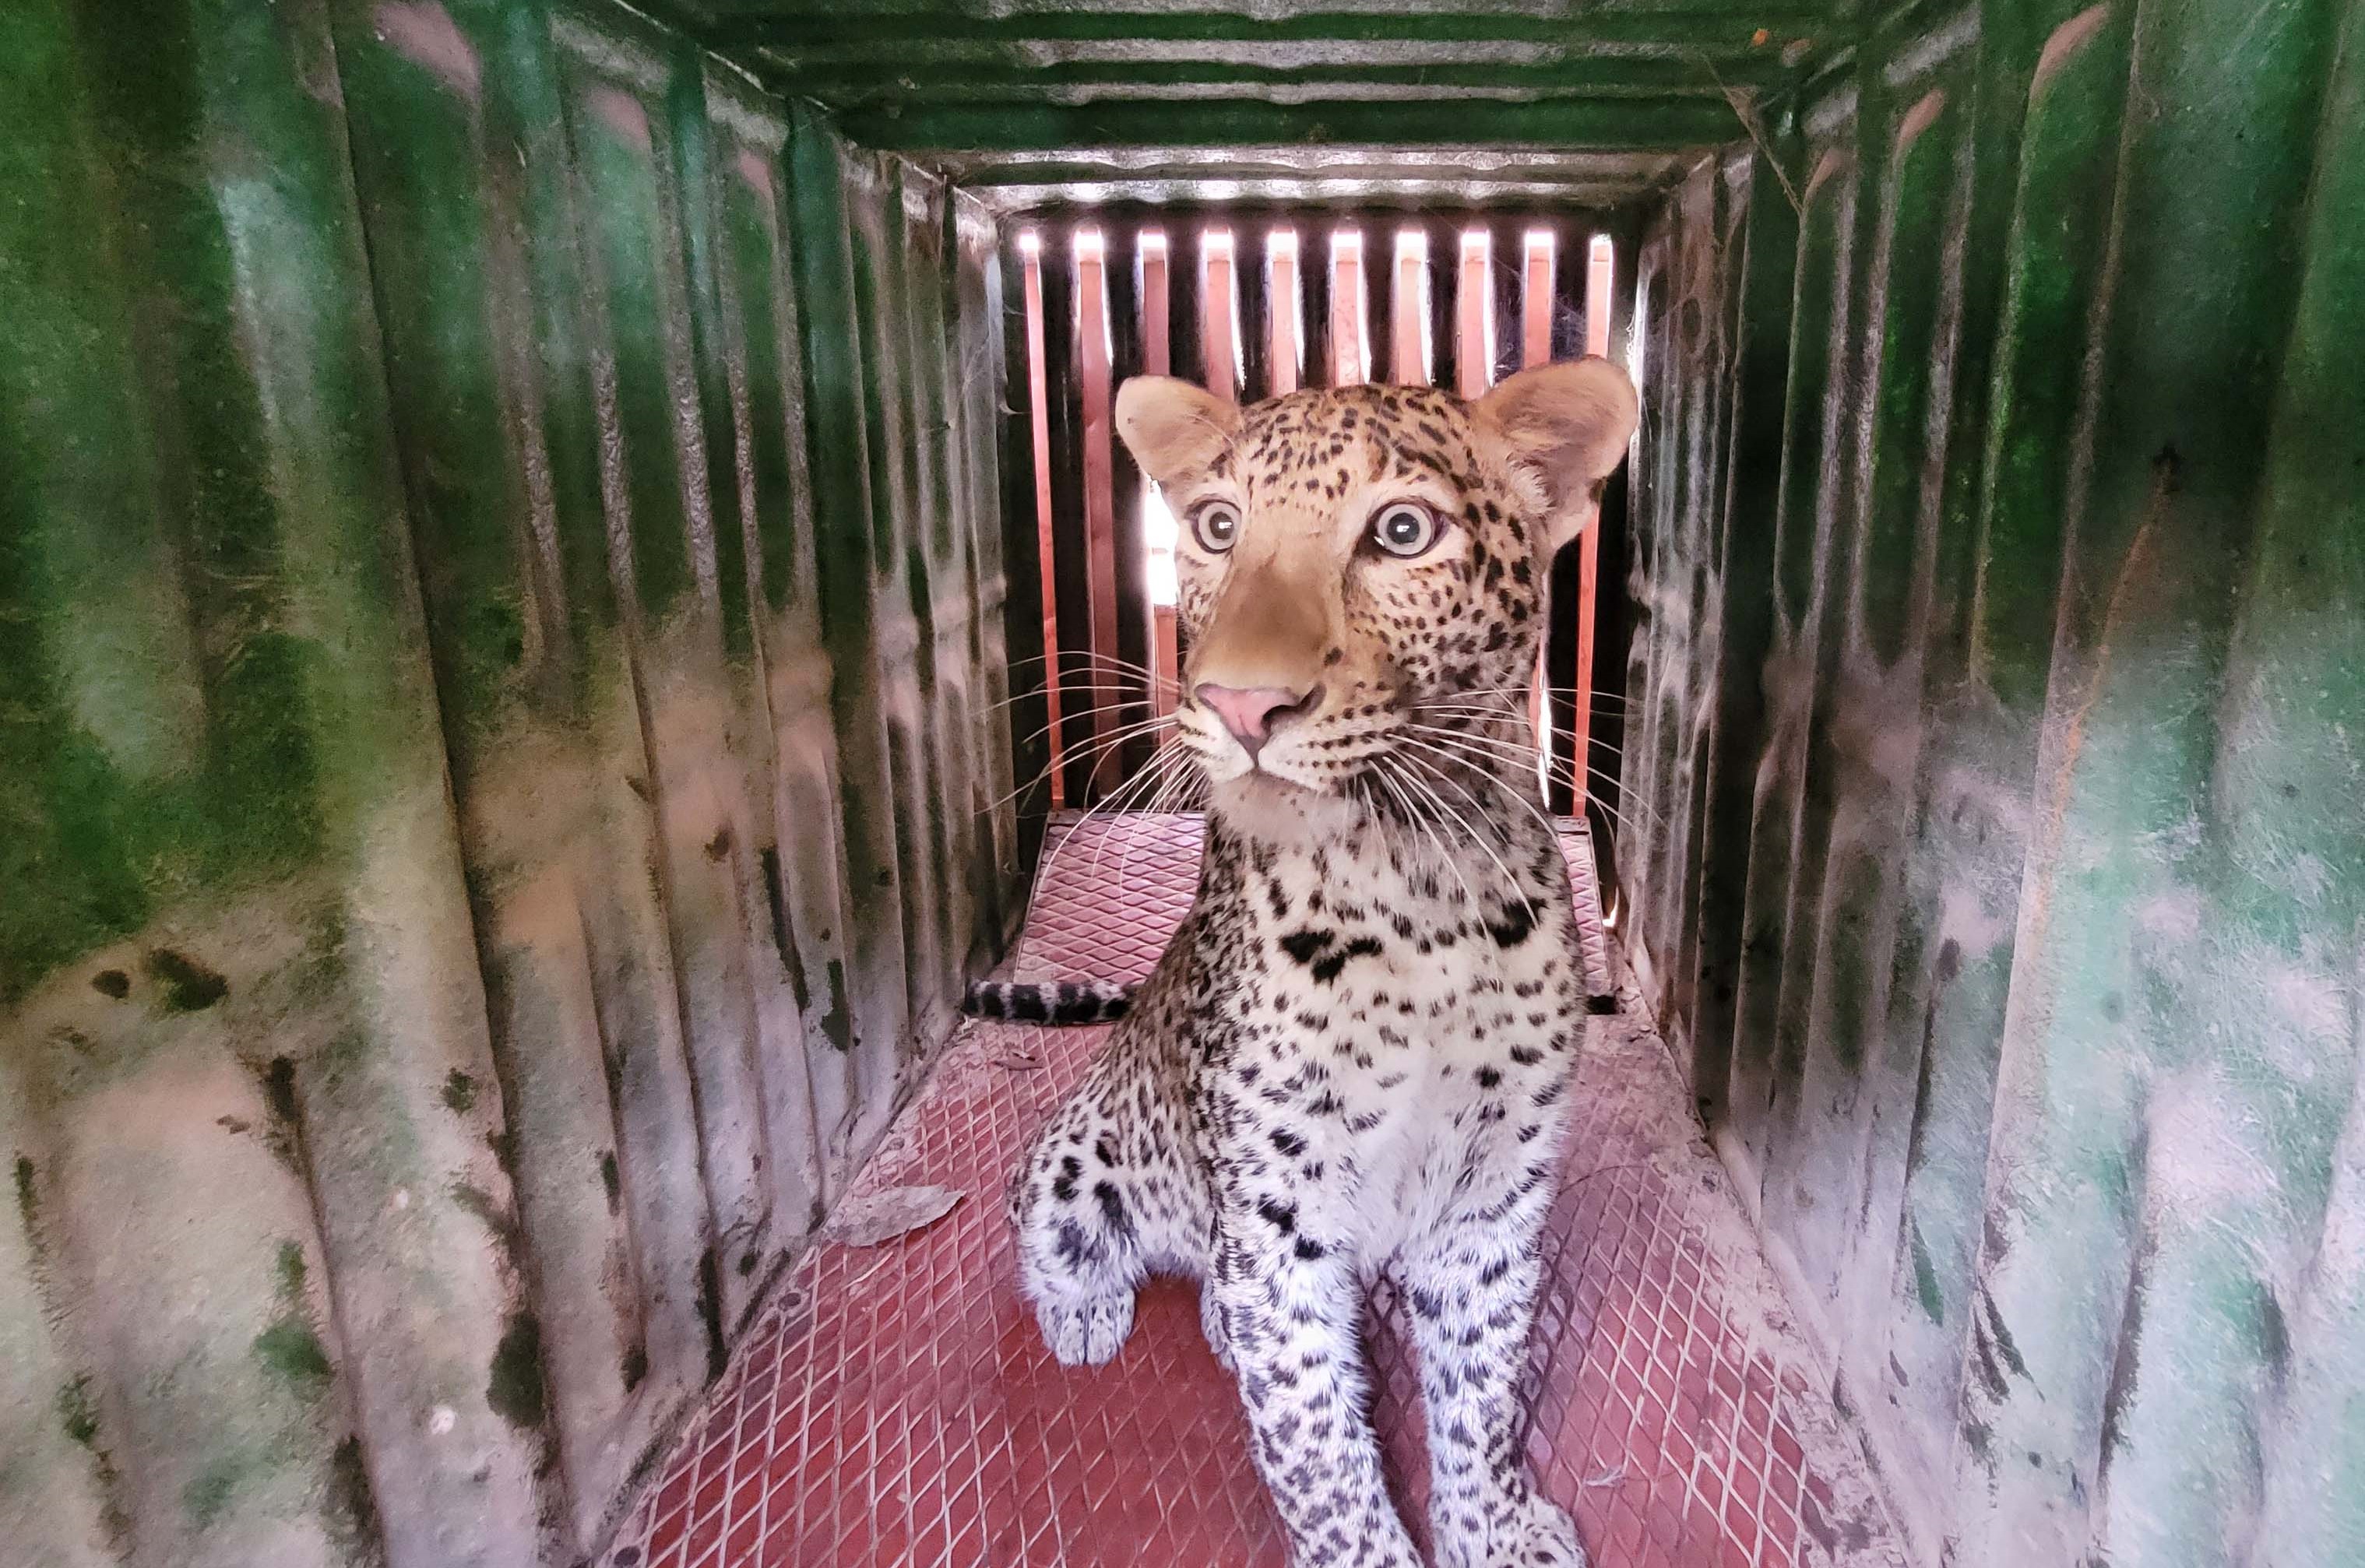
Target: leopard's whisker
1091,653
1106,804
1472,828
1521,757
1179,781
1073,715
1090,752
1090,660
1133,788
1136,692
1416,788
1528,758
1528,806
1521,692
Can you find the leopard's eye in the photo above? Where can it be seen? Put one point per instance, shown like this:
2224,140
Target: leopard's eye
1404,529
1215,526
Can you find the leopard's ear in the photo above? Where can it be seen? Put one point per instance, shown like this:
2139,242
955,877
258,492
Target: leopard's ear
1173,429
1568,424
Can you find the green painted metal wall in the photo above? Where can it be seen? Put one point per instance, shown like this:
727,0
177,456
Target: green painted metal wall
1997,771
500,595
501,610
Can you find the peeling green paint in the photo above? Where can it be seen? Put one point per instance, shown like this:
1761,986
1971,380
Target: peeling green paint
2027,1049
710,1310
189,986
490,1212
514,1387
292,1270
1925,1282
1995,717
76,1414
29,1199
355,1508
292,1354
205,1497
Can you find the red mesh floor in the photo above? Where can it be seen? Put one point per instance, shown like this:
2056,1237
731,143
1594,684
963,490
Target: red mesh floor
894,1406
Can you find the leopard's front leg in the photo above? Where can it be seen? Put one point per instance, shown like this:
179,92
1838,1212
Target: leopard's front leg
1472,1287
1290,1306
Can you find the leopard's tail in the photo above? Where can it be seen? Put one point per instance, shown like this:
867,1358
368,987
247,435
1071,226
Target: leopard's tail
1048,1002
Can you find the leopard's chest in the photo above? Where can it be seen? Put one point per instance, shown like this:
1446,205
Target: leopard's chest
1384,1052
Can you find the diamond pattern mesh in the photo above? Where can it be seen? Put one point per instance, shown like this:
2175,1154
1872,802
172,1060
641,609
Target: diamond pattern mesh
894,1407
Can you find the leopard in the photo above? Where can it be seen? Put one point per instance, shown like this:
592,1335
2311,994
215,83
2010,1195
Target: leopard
1354,1060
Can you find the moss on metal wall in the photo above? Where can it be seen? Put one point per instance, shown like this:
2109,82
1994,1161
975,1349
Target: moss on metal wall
505,632
434,879
2030,1026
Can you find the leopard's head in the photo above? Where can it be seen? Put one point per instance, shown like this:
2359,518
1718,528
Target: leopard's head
1359,567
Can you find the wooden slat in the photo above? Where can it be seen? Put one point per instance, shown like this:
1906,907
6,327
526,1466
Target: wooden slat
1313,298
1473,315
1100,493
1351,343
1218,315
1156,346
1600,272
1283,305
1038,394
1157,330
1537,289
1601,265
1408,330
1536,297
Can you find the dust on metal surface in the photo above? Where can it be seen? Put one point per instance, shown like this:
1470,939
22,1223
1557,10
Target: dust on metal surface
975,78
896,1405
1997,752
504,626
496,799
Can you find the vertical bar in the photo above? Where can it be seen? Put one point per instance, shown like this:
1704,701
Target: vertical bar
1473,315
1282,306
1350,345
1156,522
1600,273
1409,332
1157,334
1536,301
1219,315
1250,334
1100,491
1136,637
1220,321
1440,297
1312,311
1030,248
1539,289
1601,266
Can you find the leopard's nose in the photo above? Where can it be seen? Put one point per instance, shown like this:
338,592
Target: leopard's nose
1252,712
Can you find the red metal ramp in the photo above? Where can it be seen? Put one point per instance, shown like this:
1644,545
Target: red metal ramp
895,1407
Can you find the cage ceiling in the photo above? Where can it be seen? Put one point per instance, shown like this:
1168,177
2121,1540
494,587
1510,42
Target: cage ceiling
1349,100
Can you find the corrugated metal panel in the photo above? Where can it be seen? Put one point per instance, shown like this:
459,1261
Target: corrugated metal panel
1997,758
503,620
1062,78
503,766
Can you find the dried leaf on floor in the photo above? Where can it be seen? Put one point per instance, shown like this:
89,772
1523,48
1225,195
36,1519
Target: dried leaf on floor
870,1218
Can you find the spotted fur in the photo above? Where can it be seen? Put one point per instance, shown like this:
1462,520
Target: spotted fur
1355,1055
